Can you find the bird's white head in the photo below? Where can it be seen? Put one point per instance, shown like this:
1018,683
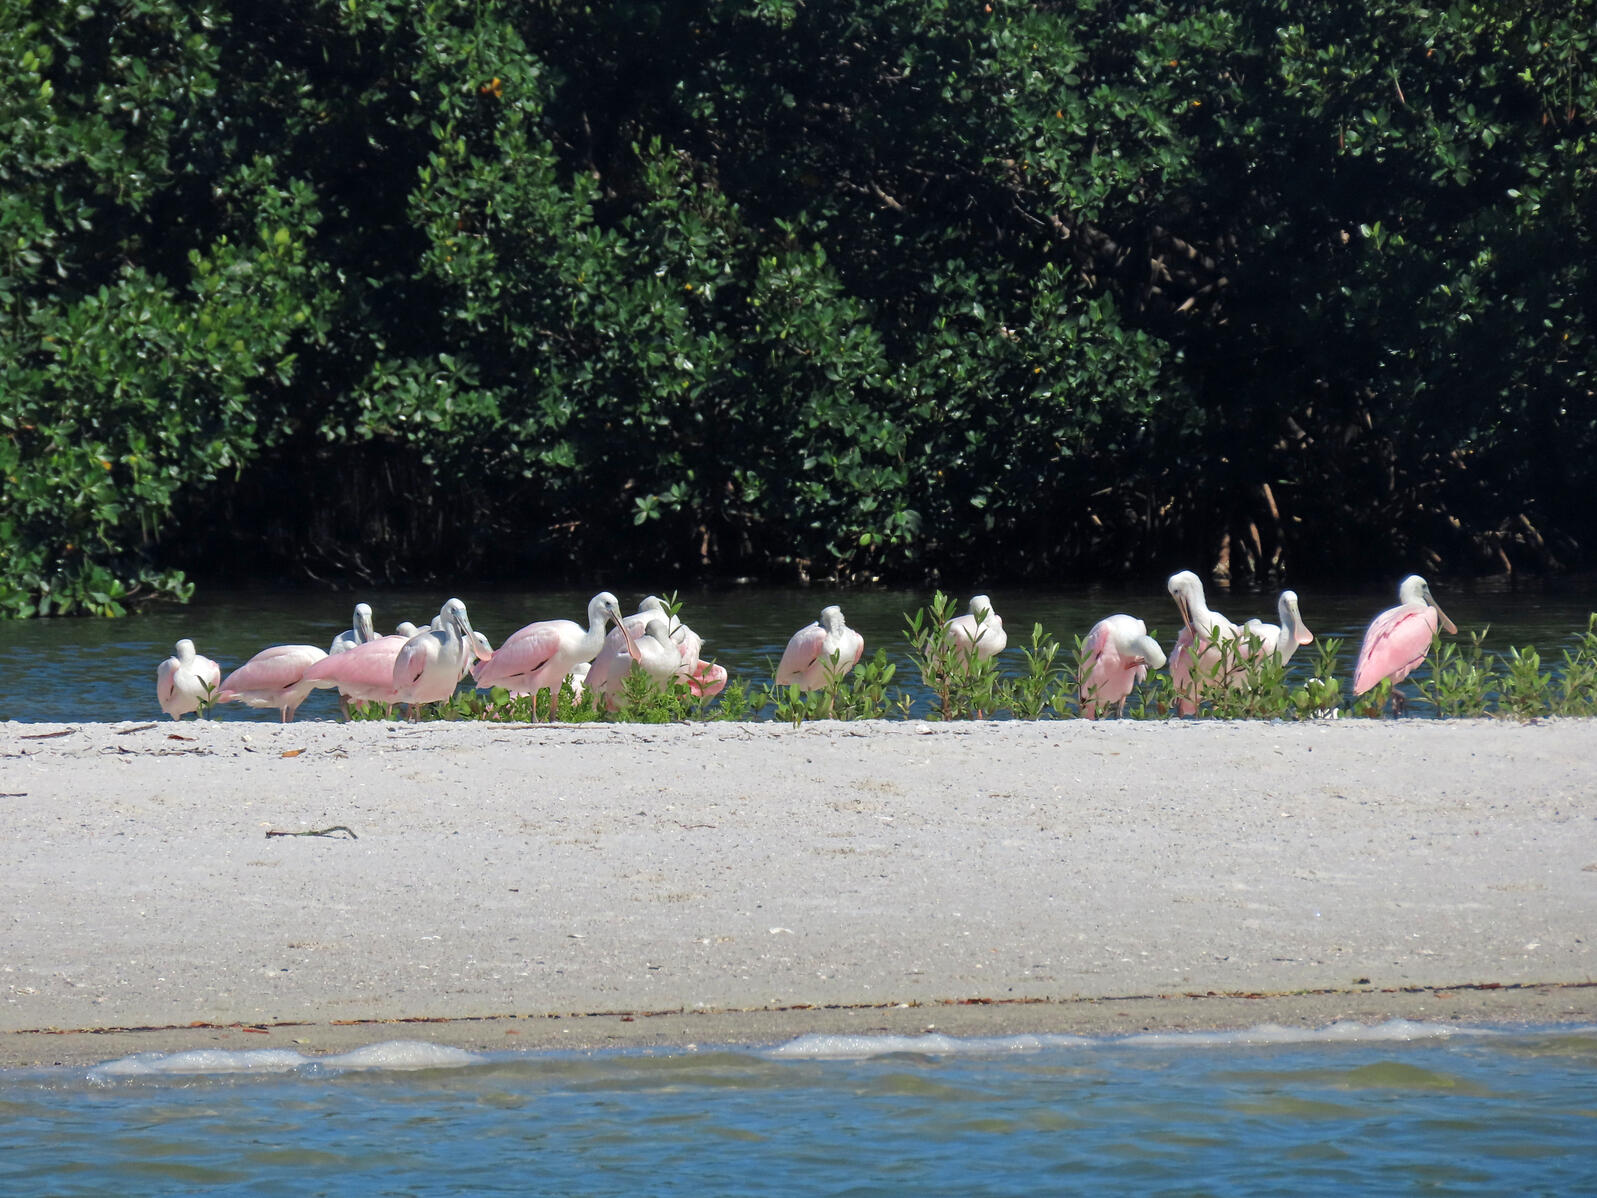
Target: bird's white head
981,607
832,618
453,615
1286,610
1145,647
1186,589
603,606
184,650
1416,590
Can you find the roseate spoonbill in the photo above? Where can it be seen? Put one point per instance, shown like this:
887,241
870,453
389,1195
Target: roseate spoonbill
542,654
1400,637
1280,639
431,664
185,680
1196,660
1115,657
979,630
707,680
482,652
364,674
405,629
274,677
820,653
654,651
689,643
359,631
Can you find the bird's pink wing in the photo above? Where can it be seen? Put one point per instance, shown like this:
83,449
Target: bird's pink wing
165,678
278,669
411,662
858,643
1398,640
800,655
365,672
1095,670
522,655
707,680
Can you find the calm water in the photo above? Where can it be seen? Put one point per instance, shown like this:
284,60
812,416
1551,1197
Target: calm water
1401,1108
104,670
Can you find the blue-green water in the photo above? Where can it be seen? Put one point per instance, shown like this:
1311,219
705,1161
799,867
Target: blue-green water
104,670
1398,1108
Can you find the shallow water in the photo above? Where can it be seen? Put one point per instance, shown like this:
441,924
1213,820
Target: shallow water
1393,1109
104,670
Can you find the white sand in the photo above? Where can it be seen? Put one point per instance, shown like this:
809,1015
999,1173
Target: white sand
515,871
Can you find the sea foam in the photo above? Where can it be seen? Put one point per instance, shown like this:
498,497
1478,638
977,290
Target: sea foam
390,1054
817,1046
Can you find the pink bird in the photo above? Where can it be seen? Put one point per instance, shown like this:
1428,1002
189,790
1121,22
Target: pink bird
430,665
1280,639
980,631
540,655
1115,657
820,653
186,680
274,677
1195,664
364,674
1400,637
707,680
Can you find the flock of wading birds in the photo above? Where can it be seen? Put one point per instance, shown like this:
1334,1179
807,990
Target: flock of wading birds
416,666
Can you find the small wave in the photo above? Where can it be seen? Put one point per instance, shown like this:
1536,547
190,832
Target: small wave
817,1046
390,1054
1346,1032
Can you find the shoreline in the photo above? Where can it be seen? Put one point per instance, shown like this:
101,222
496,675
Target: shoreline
1512,1007
585,887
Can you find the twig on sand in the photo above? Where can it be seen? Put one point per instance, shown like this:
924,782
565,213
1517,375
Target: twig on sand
270,832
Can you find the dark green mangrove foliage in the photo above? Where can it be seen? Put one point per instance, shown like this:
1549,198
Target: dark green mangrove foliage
1042,684
371,291
1577,692
1460,681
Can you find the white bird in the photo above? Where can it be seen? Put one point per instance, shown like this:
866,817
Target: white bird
655,652
432,663
1280,639
186,680
1196,659
980,631
540,655
359,632
820,653
690,645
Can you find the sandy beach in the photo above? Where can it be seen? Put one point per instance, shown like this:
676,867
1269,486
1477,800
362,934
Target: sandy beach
594,886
